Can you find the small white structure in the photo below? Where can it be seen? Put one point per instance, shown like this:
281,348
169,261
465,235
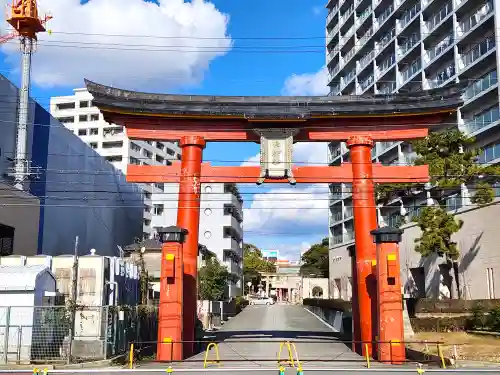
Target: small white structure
24,329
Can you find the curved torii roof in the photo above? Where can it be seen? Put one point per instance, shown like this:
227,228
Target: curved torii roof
118,101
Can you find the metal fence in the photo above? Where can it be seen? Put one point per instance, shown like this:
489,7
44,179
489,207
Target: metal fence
43,335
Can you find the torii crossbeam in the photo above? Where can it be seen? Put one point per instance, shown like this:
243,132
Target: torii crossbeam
276,123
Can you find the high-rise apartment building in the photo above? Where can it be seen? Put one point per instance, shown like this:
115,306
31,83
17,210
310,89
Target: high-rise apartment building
389,46
77,113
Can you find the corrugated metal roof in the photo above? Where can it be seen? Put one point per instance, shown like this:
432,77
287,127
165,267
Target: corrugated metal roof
20,277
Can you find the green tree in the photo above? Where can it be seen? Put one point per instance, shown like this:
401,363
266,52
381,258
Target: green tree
315,260
254,264
452,162
213,279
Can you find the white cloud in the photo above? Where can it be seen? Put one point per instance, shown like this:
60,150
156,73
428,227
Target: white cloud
307,84
318,10
153,63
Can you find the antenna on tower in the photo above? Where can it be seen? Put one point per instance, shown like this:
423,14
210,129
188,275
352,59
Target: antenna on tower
26,23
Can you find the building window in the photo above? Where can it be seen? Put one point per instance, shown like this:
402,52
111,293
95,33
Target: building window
147,222
82,132
160,159
135,161
170,151
94,131
158,209
147,208
147,195
160,146
160,185
135,147
82,118
63,106
117,144
114,158
93,145
94,117
112,131
147,153
84,104
66,120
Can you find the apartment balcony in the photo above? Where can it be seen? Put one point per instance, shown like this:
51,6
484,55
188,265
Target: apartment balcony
346,15
331,15
380,20
365,37
384,146
478,51
365,60
483,84
335,70
439,48
363,16
348,213
349,77
336,216
408,17
385,66
347,36
385,40
468,24
483,120
414,68
348,56
437,18
335,90
440,78
366,82
387,88
331,35
335,196
411,42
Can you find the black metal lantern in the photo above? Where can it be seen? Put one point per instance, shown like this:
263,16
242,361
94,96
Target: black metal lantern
172,234
387,235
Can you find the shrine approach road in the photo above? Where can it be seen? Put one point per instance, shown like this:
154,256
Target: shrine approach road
251,342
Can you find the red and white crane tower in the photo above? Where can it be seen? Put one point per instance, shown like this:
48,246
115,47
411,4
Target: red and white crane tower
23,17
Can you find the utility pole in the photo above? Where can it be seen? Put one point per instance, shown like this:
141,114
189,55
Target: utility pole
74,289
21,161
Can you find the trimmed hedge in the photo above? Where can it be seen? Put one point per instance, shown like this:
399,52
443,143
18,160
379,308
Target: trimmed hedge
451,306
330,304
449,324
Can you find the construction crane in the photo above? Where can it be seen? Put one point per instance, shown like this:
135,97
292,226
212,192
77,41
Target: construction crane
26,23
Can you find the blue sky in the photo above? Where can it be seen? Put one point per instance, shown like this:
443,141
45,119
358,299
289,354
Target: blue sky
230,73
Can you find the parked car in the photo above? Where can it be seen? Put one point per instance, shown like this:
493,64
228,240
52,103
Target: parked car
262,301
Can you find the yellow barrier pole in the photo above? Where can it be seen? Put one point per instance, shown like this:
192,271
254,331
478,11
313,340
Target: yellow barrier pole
217,358
299,366
420,369
131,357
169,370
367,356
36,371
440,352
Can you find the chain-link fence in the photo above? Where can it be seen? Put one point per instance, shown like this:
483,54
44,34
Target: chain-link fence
43,334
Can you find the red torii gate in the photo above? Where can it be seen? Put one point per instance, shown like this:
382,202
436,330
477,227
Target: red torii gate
277,122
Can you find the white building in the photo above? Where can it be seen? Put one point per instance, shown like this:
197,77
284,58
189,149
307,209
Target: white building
221,224
77,113
391,46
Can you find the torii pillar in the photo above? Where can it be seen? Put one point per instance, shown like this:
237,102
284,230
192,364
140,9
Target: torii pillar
365,220
188,217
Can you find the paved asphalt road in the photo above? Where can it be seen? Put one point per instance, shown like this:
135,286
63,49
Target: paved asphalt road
252,340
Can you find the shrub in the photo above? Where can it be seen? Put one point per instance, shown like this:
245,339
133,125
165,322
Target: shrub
241,303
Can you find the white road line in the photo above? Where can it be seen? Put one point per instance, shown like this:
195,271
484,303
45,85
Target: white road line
321,320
